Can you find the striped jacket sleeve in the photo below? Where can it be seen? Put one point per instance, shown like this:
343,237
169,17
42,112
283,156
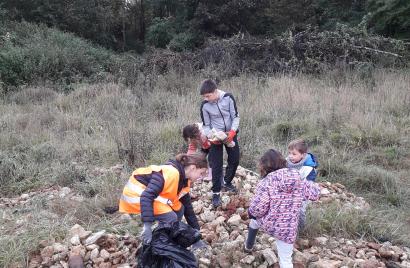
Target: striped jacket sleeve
259,205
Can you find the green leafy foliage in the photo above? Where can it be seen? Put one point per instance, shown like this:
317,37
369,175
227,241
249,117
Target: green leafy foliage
390,18
160,32
33,53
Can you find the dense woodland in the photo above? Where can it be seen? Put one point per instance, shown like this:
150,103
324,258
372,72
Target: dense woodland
132,24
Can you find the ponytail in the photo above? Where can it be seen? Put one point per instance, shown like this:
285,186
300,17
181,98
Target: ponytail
196,159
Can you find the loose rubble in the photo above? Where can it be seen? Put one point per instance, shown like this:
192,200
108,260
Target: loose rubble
225,231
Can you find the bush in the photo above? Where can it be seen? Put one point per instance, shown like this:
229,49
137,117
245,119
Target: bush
33,53
184,41
160,32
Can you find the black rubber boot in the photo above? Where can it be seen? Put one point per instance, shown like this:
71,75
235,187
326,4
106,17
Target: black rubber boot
216,200
250,240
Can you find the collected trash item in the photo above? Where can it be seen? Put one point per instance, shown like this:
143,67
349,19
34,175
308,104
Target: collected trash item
221,137
168,248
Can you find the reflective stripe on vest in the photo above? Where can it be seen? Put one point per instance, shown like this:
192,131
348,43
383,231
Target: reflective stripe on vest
138,189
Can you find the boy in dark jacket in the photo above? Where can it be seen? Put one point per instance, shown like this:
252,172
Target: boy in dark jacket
219,112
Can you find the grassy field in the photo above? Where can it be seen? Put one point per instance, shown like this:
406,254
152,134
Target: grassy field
357,126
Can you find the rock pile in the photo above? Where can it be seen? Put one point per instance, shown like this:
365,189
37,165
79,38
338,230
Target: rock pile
225,231
85,249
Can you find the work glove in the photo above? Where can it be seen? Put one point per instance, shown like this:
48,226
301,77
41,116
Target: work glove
146,234
206,145
198,245
231,134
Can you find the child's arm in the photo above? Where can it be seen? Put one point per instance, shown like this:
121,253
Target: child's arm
234,113
260,203
311,190
206,121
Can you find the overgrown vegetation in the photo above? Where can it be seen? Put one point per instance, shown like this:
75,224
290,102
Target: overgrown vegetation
35,54
128,25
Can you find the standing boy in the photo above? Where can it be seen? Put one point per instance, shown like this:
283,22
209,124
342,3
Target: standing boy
219,112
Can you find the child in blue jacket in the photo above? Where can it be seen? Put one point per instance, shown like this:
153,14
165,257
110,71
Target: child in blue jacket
299,158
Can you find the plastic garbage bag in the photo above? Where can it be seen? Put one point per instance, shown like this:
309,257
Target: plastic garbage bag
168,247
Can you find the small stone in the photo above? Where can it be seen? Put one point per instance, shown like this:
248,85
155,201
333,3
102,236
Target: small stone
94,237
94,254
47,252
204,261
374,245
324,191
387,254
78,250
59,247
104,254
75,240
370,264
248,259
208,216
325,264
75,261
235,220
64,192
80,231
92,247
320,241
24,196
223,261
269,256
105,265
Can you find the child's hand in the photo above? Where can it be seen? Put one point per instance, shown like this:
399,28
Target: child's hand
215,141
231,134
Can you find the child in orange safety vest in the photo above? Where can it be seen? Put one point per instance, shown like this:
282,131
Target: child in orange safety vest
161,192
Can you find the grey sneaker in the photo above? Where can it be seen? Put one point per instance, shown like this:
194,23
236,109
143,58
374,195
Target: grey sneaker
230,187
216,200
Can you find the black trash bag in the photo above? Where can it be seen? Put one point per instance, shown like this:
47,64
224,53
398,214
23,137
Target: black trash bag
184,235
165,250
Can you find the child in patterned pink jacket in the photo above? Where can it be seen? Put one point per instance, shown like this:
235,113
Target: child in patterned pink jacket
277,203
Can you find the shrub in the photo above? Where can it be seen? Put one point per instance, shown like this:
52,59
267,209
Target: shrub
160,32
34,53
184,41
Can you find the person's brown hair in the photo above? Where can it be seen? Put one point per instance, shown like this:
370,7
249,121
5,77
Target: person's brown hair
270,161
207,86
300,145
190,132
197,159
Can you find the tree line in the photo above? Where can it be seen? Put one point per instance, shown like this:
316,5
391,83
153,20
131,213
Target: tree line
125,25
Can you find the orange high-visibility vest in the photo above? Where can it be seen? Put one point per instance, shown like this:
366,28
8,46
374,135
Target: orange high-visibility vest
168,199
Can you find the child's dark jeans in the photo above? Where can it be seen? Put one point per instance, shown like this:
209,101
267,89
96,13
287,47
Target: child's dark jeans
216,160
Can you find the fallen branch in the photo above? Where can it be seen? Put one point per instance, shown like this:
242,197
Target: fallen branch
378,51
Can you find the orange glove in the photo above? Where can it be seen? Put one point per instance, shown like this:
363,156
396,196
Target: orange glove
231,134
206,144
